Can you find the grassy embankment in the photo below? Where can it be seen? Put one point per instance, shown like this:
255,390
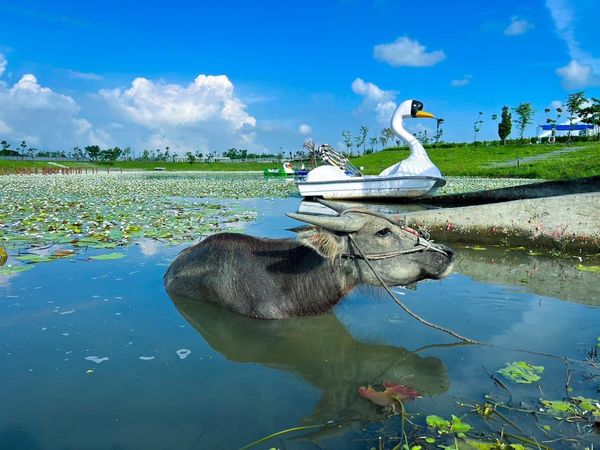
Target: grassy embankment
454,161
476,161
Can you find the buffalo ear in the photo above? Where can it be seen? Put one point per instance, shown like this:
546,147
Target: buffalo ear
325,243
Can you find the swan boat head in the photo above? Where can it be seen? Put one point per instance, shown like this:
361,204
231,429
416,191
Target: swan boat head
418,163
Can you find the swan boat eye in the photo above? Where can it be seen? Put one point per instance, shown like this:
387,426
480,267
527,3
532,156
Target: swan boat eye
384,232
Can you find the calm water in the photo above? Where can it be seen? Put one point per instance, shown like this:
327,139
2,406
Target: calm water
97,356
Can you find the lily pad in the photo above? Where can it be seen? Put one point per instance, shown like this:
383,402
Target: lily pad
453,426
108,256
588,404
107,211
10,270
482,445
559,408
31,258
583,268
521,372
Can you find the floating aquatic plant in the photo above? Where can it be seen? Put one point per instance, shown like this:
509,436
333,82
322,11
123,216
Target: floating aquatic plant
106,211
521,372
584,268
453,426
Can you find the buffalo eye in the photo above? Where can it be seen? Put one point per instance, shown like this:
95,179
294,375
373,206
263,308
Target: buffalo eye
384,232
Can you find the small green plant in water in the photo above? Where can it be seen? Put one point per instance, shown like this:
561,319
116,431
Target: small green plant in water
521,372
452,426
584,268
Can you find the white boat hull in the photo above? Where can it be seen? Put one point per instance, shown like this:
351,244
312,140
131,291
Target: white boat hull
371,187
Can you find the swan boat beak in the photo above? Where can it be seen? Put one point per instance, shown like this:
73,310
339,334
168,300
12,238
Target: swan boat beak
424,115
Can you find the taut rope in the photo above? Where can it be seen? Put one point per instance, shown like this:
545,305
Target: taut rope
402,305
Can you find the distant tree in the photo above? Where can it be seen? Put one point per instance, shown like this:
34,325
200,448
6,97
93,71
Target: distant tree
92,151
191,157
386,135
438,130
477,126
525,114
198,154
6,150
110,154
505,125
231,153
575,102
23,146
126,154
373,143
77,153
145,155
549,120
591,115
559,112
347,140
361,139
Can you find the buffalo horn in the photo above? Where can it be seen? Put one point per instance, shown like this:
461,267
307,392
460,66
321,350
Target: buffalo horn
337,207
347,224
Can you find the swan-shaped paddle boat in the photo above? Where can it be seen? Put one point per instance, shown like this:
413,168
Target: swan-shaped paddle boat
416,176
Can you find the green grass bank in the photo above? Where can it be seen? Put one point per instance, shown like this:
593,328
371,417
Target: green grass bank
579,160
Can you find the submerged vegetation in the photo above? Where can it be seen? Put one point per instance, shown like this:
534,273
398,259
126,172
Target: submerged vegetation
514,423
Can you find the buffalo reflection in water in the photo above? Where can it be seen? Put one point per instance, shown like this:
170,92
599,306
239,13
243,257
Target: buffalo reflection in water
321,351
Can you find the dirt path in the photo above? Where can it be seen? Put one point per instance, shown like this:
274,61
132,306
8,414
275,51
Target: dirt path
528,159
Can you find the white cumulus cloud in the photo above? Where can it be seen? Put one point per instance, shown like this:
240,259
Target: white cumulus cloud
155,104
584,69
205,114
44,118
407,52
577,75
304,129
517,26
381,101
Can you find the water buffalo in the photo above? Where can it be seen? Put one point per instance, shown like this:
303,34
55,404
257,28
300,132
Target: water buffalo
308,275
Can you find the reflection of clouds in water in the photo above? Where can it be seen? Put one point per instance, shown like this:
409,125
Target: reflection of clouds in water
149,247
97,359
183,353
542,325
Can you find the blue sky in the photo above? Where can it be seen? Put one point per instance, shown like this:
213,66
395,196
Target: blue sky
266,75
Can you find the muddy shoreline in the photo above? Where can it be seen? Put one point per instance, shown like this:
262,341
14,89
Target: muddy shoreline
560,215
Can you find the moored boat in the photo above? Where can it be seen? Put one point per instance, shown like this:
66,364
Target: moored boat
415,176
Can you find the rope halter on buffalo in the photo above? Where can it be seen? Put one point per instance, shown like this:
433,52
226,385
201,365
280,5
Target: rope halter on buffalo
421,245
